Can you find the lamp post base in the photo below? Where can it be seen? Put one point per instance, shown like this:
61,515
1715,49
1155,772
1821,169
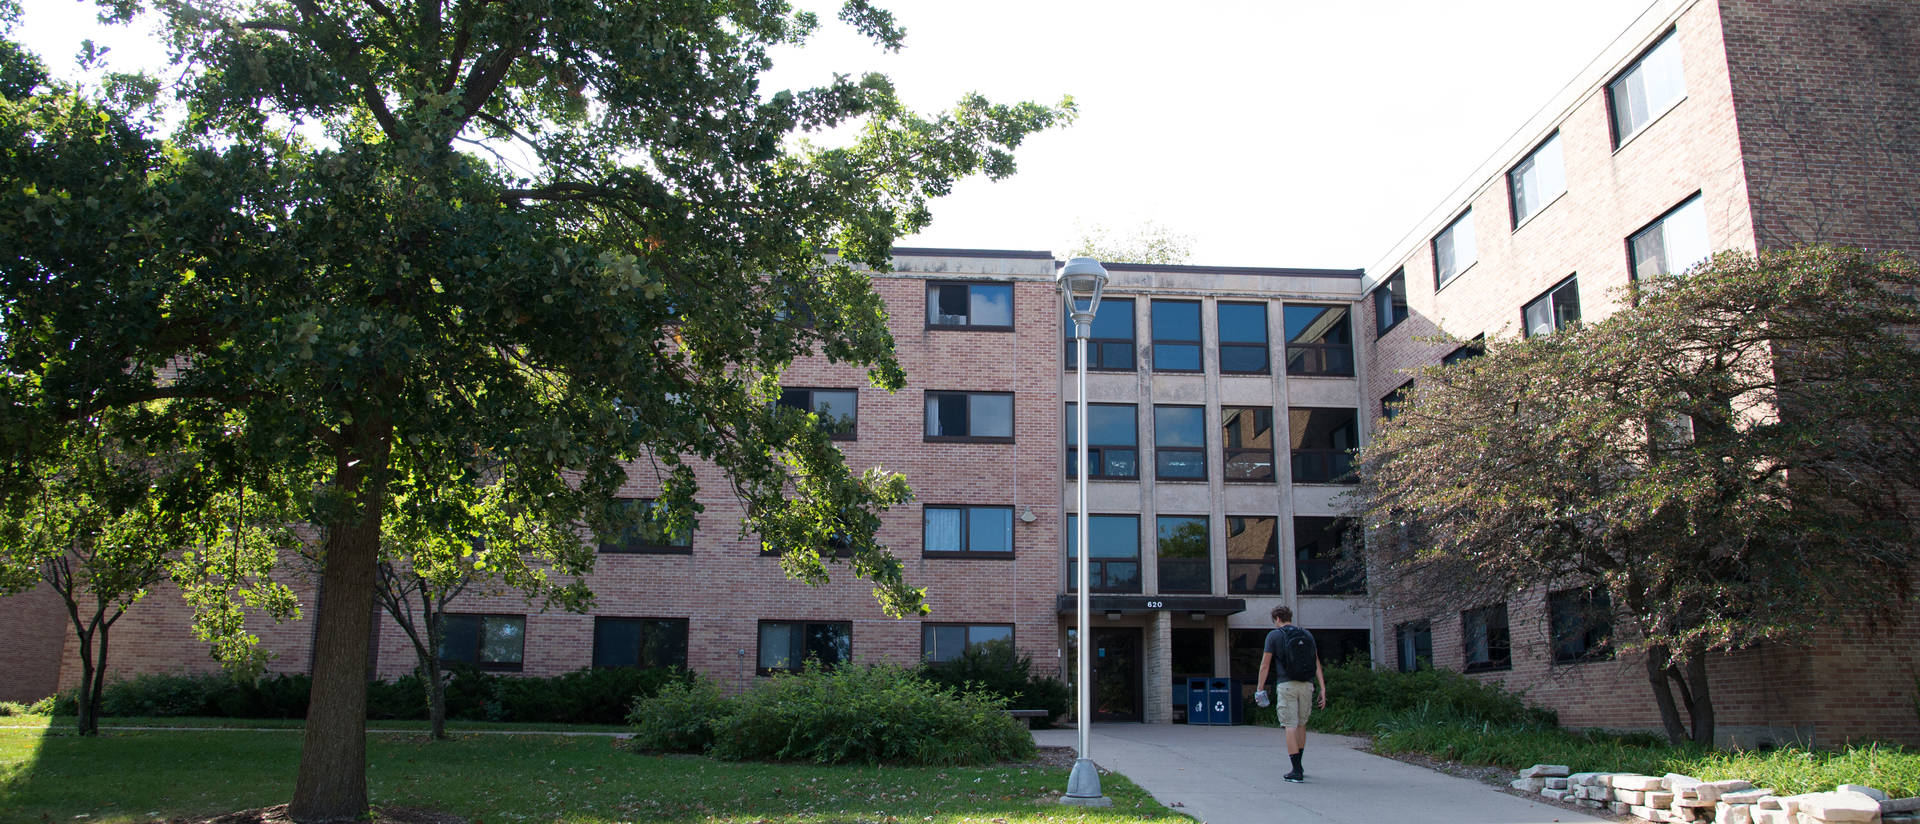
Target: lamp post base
1083,786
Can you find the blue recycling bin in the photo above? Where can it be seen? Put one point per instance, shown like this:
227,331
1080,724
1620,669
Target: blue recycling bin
1199,708
1224,705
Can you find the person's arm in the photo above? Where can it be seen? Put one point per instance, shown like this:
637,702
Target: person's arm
1266,661
1320,673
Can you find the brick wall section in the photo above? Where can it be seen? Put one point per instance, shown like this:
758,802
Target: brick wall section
30,646
156,635
1828,99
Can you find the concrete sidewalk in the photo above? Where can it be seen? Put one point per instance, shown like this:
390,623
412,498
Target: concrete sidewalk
1231,775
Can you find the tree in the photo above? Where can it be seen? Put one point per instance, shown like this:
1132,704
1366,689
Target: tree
556,235
1149,242
1732,459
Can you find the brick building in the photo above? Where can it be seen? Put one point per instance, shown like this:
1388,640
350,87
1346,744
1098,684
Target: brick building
1708,125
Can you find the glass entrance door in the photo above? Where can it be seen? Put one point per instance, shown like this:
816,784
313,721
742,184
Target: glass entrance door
1116,674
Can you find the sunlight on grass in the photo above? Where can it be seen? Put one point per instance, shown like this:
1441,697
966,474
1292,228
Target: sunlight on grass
136,776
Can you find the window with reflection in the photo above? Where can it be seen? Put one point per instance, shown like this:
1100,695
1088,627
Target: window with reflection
489,642
1453,250
1646,89
968,530
1113,553
1414,643
1247,437
940,643
1110,344
1113,442
1321,559
1393,403
1323,444
1671,244
1537,180
1581,624
1243,338
1319,340
837,410
1553,311
1180,443
970,306
650,531
1176,335
1183,552
1390,302
1253,555
785,646
969,416
641,643
1484,641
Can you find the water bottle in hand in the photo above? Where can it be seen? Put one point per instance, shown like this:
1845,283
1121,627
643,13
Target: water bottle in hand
1262,699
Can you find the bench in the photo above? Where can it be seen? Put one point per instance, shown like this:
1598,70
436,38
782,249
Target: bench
1026,716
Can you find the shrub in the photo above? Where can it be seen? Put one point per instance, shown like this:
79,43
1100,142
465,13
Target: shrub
996,668
871,714
9,709
1363,698
163,695
586,696
680,716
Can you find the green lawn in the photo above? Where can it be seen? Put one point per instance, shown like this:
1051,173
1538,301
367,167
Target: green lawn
128,776
66,722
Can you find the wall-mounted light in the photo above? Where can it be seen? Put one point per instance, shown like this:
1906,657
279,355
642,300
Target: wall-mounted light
1113,615
1197,616
1026,515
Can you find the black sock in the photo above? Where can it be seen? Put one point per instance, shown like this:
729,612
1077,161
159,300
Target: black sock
1296,759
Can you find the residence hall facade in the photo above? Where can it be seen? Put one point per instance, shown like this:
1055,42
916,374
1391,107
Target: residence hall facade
1708,125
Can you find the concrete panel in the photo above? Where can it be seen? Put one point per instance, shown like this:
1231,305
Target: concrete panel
1311,499
1251,499
1247,391
1102,387
1182,499
1107,498
1333,612
1343,392
1188,389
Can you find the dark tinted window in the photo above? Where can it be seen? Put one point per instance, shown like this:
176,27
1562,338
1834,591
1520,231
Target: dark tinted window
490,642
1113,552
1323,444
1320,558
969,415
945,642
640,642
1319,340
1243,337
784,645
1113,449
1183,550
1176,335
836,409
1390,303
1180,442
1110,346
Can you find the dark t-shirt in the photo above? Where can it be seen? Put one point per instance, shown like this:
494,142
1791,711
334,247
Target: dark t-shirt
1277,647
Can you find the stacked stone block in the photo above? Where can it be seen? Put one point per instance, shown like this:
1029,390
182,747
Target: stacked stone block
1682,799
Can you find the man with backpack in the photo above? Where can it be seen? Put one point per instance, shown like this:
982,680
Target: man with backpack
1299,668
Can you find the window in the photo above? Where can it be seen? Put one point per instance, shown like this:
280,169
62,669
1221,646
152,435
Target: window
1323,444
1179,443
1319,340
945,642
1113,445
1243,338
785,645
970,306
1247,433
1176,336
490,642
650,534
969,530
954,416
1646,90
1113,552
1554,310
1253,555
1110,346
838,410
644,643
1390,303
1537,180
1581,622
1453,249
1192,654
1321,560
1183,550
1466,351
1483,638
1393,403
1671,244
1415,642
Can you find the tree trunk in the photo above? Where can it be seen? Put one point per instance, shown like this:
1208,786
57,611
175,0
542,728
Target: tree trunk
99,680
88,720
436,698
332,784
1702,706
1657,657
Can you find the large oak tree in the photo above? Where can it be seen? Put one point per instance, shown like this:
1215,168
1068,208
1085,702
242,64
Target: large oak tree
1733,458
556,235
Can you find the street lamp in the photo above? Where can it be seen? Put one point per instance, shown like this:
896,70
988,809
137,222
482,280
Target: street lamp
1080,283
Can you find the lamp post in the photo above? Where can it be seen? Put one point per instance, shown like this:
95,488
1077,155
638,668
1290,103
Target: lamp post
1080,283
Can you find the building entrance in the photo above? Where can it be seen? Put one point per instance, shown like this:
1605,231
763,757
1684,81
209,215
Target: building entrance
1117,666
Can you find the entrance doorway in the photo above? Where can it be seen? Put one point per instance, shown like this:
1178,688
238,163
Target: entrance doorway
1117,667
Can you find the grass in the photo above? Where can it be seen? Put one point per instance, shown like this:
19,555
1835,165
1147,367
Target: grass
129,776
66,722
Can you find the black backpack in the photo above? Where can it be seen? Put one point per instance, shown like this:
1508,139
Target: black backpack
1298,655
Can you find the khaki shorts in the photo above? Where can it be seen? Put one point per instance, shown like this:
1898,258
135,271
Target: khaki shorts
1294,701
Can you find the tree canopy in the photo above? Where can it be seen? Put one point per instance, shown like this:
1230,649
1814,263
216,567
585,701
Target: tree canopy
1732,458
398,243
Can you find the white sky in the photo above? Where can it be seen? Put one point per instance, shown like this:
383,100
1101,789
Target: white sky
1279,133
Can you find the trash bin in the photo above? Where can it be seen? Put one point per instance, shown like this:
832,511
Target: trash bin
1199,708
1224,704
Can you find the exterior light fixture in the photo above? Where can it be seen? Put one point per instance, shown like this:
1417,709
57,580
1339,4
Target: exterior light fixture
1080,282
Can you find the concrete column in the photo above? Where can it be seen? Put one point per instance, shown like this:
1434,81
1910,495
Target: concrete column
1158,691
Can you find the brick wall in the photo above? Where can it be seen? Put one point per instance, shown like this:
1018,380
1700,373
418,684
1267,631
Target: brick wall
30,646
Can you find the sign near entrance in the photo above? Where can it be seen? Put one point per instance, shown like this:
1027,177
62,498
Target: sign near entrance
1141,604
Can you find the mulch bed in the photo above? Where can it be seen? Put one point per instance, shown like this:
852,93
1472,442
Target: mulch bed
278,815
1054,757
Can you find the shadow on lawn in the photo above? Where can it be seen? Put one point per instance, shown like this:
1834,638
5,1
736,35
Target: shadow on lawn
142,776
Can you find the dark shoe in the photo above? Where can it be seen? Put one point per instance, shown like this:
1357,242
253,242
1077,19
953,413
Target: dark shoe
1296,777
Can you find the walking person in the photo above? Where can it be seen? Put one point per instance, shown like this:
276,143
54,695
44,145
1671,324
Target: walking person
1299,668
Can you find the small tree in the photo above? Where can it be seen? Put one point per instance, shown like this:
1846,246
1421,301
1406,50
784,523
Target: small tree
1733,459
1149,242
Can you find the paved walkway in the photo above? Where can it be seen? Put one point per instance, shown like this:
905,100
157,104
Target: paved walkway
1231,775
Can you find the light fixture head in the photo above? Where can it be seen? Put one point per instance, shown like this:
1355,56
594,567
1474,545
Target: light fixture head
1113,615
1197,616
1026,515
1081,281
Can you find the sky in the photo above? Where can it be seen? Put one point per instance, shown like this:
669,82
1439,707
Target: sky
1277,133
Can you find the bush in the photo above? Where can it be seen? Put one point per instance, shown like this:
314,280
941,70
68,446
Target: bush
163,695
871,714
587,696
8,709
1362,698
680,717
998,669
